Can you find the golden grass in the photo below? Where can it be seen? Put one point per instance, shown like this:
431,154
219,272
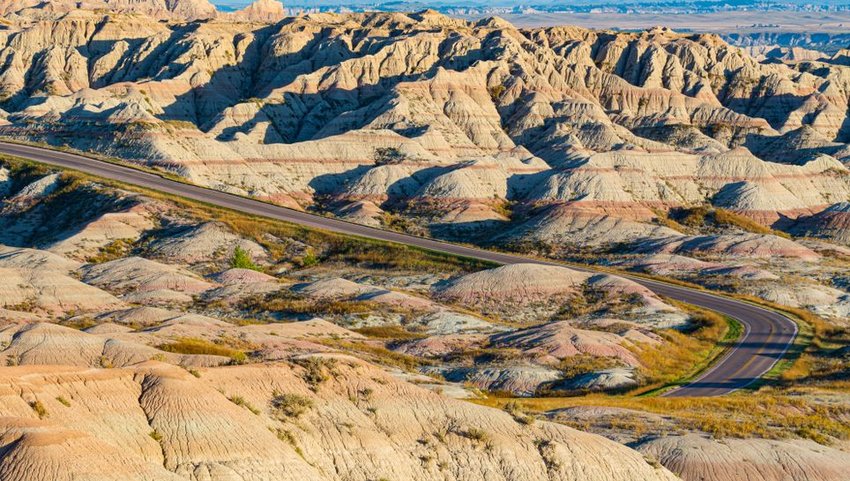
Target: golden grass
580,364
376,353
704,216
766,415
683,355
729,218
389,332
201,346
290,303
114,250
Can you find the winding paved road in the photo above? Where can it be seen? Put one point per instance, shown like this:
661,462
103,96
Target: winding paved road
767,336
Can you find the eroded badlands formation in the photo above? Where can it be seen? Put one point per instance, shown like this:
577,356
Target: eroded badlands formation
135,347
131,311
561,141
144,339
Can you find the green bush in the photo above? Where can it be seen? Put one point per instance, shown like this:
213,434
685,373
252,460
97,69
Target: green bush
242,260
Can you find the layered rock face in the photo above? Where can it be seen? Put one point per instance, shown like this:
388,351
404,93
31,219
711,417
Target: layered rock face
463,127
263,11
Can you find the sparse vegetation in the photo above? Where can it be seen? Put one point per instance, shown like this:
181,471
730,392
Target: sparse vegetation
63,401
378,354
317,370
581,364
105,362
767,414
389,332
39,409
389,156
705,216
286,436
241,259
519,413
398,223
309,259
496,92
240,401
201,346
290,405
474,434
293,304
686,353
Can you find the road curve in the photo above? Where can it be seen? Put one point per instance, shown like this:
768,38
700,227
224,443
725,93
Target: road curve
767,334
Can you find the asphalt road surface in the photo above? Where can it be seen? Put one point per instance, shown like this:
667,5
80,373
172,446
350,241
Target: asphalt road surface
767,334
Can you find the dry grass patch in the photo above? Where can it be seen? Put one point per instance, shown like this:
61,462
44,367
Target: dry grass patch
581,364
376,353
293,304
201,346
705,216
765,414
289,405
389,332
684,354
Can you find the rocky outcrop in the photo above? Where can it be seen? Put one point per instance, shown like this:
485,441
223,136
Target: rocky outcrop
696,457
556,341
534,292
185,10
832,223
261,11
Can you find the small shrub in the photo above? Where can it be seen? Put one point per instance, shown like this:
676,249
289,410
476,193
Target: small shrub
366,394
39,409
155,435
317,370
240,401
63,401
650,460
105,362
389,156
290,405
519,413
241,259
309,260
477,435
287,437
496,91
